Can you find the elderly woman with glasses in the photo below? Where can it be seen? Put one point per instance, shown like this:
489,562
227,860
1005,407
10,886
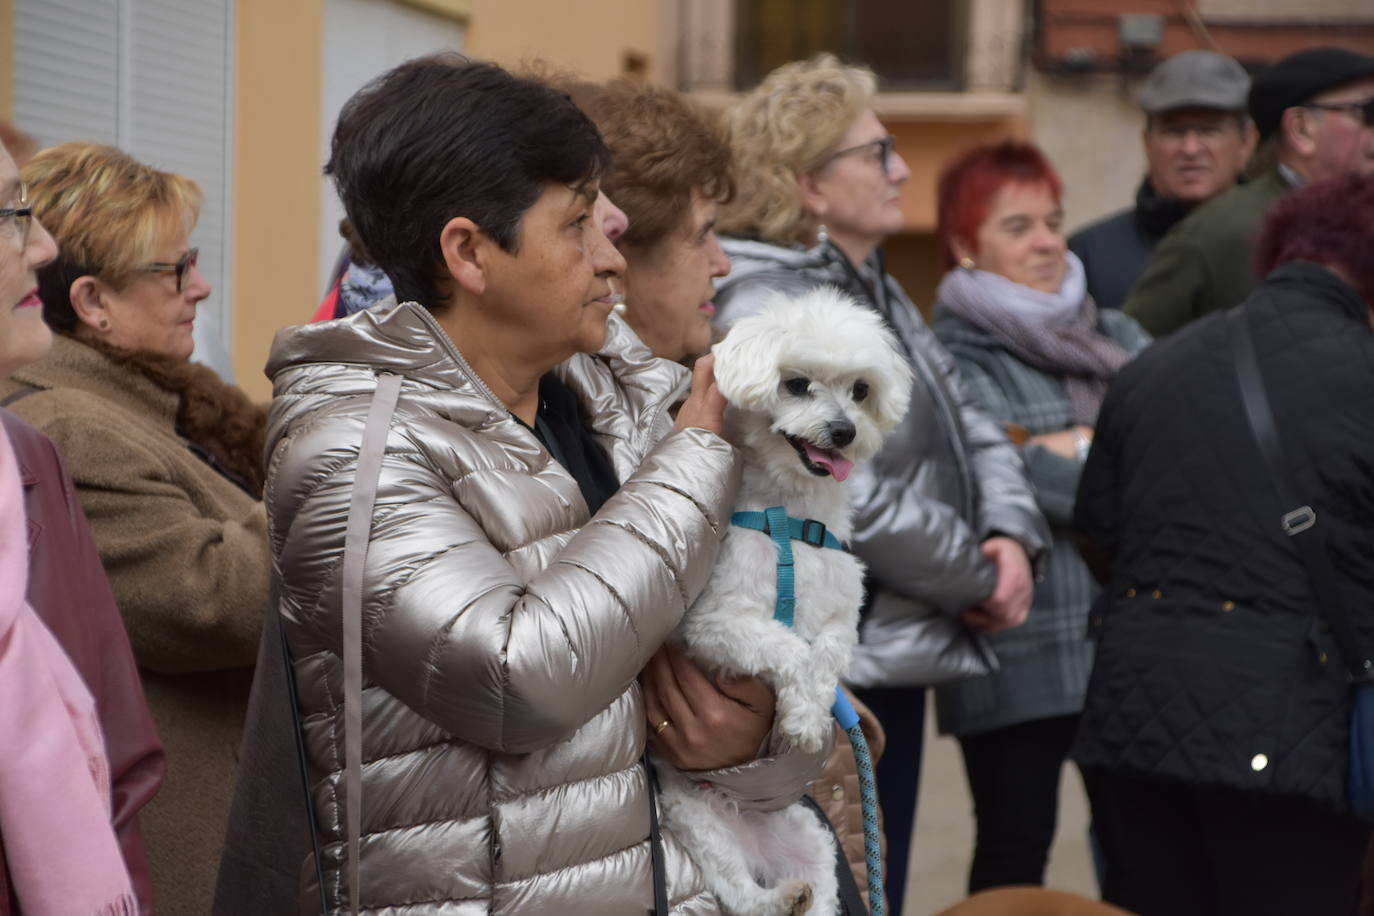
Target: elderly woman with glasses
945,520
167,464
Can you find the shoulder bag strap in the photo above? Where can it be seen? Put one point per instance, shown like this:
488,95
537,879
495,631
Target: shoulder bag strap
656,844
274,614
368,471
1299,520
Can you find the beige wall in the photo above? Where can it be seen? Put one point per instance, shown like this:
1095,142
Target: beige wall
1089,127
590,37
276,177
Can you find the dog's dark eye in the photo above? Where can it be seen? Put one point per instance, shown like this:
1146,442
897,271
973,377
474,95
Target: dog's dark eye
860,390
797,385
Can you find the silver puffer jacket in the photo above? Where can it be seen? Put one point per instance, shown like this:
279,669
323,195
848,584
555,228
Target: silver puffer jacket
946,479
503,628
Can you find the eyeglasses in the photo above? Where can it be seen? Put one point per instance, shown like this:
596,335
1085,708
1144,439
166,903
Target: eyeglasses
181,268
1362,110
22,215
885,146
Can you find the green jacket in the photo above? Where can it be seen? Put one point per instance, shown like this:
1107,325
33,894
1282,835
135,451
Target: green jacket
1206,263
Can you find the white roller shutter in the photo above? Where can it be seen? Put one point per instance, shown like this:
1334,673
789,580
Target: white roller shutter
362,39
155,78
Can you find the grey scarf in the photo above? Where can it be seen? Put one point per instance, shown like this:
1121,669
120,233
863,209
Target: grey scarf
1056,332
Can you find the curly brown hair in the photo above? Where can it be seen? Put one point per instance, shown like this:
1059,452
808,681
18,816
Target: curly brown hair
666,149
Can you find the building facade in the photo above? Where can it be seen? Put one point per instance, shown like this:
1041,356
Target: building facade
242,95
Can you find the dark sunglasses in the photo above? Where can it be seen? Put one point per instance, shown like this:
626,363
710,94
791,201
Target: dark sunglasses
180,268
1363,110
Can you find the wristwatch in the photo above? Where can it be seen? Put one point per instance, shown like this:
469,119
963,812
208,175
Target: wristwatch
1081,445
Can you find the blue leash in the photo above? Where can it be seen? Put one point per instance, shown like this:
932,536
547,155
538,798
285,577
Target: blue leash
784,529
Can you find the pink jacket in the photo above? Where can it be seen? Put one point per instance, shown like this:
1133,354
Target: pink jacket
61,853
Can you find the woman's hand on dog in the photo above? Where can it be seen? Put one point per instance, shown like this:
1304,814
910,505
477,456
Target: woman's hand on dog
1009,604
712,723
705,405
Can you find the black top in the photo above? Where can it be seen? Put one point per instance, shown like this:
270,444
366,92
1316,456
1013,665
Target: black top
559,426
1116,249
1214,667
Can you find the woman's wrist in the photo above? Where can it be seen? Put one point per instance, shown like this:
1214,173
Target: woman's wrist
1081,445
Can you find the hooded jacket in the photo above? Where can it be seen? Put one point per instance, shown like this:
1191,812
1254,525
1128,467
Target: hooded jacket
946,479
503,628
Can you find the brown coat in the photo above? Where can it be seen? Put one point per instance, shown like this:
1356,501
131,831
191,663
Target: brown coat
837,792
186,552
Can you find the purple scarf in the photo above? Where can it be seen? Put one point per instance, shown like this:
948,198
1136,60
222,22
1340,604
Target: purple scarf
1056,332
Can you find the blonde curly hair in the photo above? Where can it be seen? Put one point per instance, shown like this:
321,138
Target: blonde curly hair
782,129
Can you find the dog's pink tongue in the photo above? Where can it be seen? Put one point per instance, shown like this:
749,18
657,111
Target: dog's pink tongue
838,465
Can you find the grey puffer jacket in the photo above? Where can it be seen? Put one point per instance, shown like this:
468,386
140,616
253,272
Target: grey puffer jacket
946,479
503,628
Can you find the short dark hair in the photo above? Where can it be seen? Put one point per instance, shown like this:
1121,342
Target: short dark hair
441,137
1327,222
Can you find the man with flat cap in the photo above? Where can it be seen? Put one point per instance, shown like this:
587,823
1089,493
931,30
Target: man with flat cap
1315,114
1198,137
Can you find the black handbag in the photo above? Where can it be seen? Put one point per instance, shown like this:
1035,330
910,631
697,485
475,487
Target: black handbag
1299,521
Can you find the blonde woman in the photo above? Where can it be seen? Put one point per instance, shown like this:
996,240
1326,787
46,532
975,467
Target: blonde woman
165,458
946,522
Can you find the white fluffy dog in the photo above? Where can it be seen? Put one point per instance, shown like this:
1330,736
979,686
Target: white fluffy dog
814,384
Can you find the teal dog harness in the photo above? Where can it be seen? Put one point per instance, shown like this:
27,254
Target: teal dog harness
784,529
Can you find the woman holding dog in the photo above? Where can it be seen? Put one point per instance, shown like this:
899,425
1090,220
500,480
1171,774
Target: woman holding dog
945,521
1037,354
539,526
672,256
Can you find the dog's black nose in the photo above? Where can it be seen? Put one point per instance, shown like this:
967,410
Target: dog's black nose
841,432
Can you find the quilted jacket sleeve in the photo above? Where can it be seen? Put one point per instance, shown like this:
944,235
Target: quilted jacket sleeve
917,546
453,631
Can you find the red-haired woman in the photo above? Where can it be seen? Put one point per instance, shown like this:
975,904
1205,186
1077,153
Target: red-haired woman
1036,354
1218,718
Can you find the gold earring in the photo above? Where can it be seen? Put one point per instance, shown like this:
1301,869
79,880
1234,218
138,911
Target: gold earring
104,324
967,263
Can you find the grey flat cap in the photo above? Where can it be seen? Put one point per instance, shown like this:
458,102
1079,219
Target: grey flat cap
1196,79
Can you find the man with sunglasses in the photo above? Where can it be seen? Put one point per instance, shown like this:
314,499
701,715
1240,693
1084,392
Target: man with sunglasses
1315,113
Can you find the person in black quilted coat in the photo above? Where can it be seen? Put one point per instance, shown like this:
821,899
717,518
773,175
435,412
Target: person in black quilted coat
1215,735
